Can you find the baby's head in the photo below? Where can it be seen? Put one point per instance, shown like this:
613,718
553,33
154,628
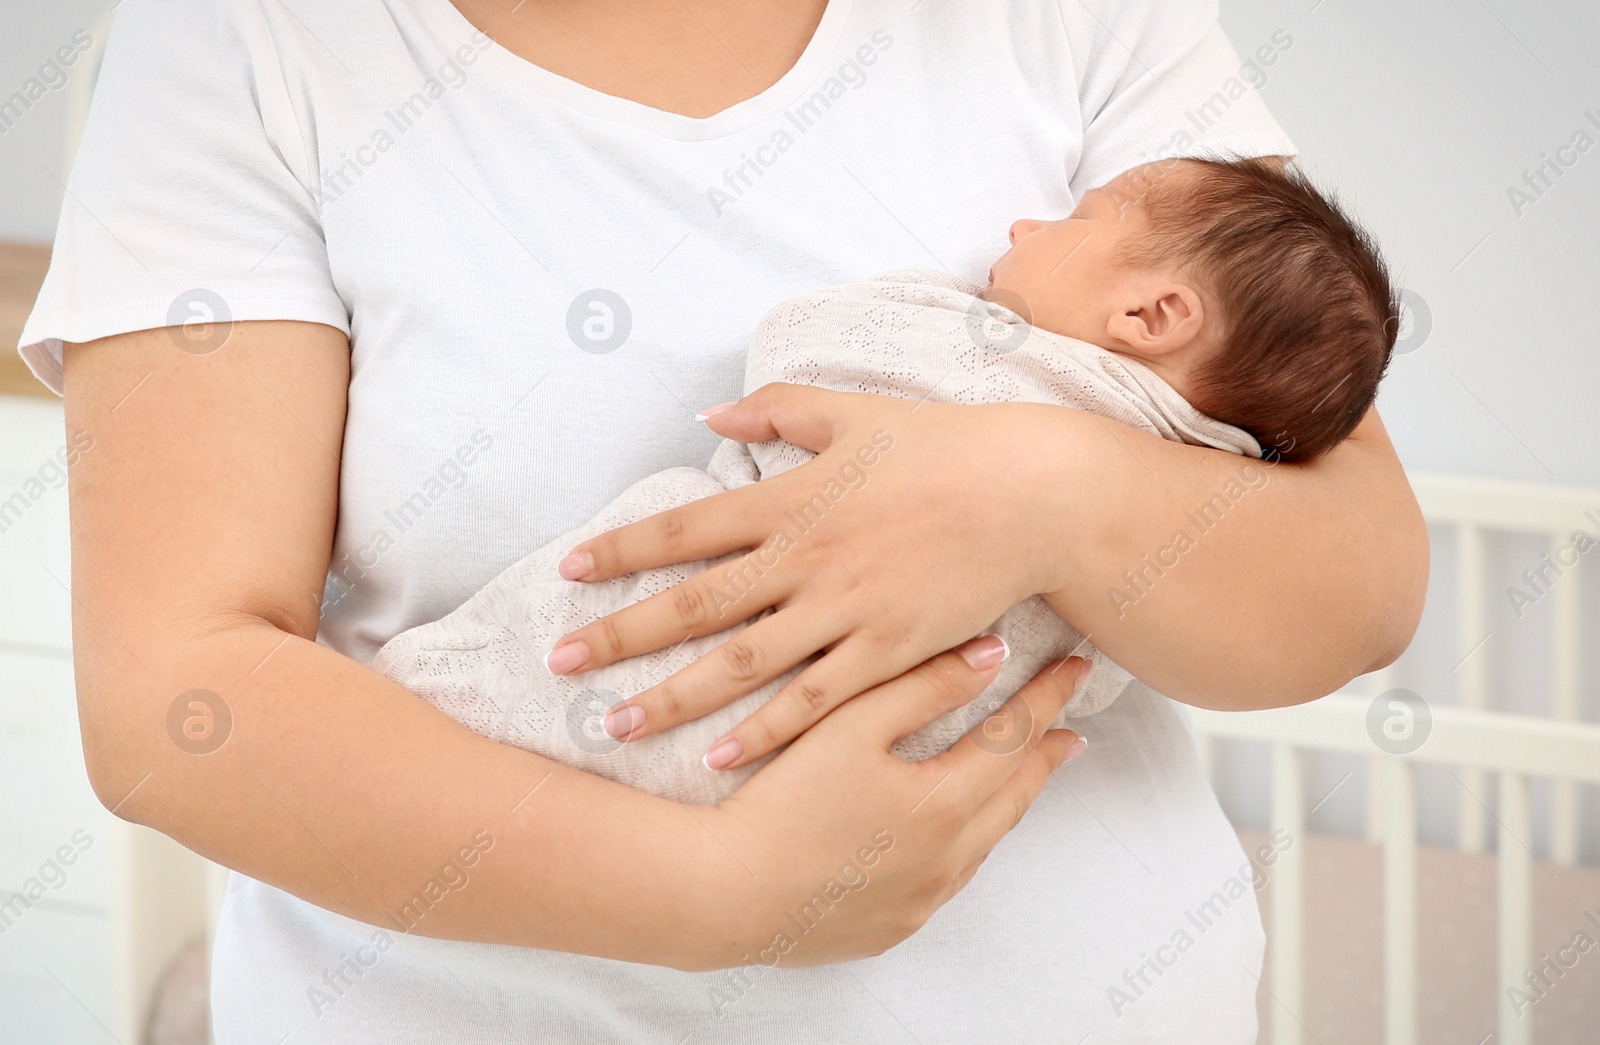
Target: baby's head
1254,295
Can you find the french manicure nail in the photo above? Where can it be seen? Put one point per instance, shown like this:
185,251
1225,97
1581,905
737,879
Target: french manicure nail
567,657
576,566
1077,748
624,720
723,754
985,651
713,411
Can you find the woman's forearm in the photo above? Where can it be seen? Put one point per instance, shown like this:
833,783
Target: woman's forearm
340,787
1229,583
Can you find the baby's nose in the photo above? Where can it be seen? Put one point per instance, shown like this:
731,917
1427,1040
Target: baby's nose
1023,227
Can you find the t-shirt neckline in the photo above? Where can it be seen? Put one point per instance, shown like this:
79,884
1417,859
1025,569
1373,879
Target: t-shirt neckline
737,117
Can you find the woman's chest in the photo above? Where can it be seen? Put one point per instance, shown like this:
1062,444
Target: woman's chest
578,285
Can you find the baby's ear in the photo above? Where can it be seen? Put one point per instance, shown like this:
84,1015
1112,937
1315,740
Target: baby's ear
1165,317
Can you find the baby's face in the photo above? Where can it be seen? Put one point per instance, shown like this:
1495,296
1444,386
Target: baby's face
1064,276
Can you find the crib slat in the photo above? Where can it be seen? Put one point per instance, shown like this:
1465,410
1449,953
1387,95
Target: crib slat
1400,904
1382,681
1564,667
1288,897
1516,905
1377,807
1472,674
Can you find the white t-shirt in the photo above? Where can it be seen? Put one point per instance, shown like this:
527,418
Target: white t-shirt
542,284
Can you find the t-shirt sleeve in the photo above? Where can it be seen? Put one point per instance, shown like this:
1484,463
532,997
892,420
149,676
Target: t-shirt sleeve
191,199
1159,78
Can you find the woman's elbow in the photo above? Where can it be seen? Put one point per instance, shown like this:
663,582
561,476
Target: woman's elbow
109,766
146,726
121,749
1397,589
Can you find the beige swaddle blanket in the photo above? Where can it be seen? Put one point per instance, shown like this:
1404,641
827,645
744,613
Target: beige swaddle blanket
913,334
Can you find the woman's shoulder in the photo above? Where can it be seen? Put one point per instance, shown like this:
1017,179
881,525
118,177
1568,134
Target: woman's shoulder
252,34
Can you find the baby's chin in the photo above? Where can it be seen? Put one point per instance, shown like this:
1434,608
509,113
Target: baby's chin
1005,297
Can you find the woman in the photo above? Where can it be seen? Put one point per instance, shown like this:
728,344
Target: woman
359,306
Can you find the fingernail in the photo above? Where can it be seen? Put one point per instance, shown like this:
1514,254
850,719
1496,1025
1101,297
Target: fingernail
713,411
624,720
985,651
567,657
1077,748
723,754
576,566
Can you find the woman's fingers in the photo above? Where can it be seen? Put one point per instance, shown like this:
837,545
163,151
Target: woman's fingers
713,601
905,704
752,658
855,666
702,529
991,752
805,416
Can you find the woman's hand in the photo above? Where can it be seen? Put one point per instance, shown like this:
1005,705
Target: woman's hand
913,833
1176,559
883,550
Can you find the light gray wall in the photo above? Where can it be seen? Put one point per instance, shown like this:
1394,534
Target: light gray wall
31,151
1425,112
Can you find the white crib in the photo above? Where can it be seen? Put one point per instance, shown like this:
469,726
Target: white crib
165,897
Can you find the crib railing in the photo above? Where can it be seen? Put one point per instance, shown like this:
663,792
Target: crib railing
1469,737
1474,509
1515,747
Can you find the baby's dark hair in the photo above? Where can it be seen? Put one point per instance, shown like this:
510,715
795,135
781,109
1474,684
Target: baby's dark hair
1309,316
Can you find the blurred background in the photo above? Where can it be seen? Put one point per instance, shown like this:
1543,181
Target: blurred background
1467,136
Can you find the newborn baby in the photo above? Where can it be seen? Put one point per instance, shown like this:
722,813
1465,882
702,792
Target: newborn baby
1220,303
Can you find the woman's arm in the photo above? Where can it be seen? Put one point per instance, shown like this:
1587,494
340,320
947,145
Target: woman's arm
202,522
1292,578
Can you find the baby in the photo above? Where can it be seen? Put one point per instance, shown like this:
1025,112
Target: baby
1220,303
